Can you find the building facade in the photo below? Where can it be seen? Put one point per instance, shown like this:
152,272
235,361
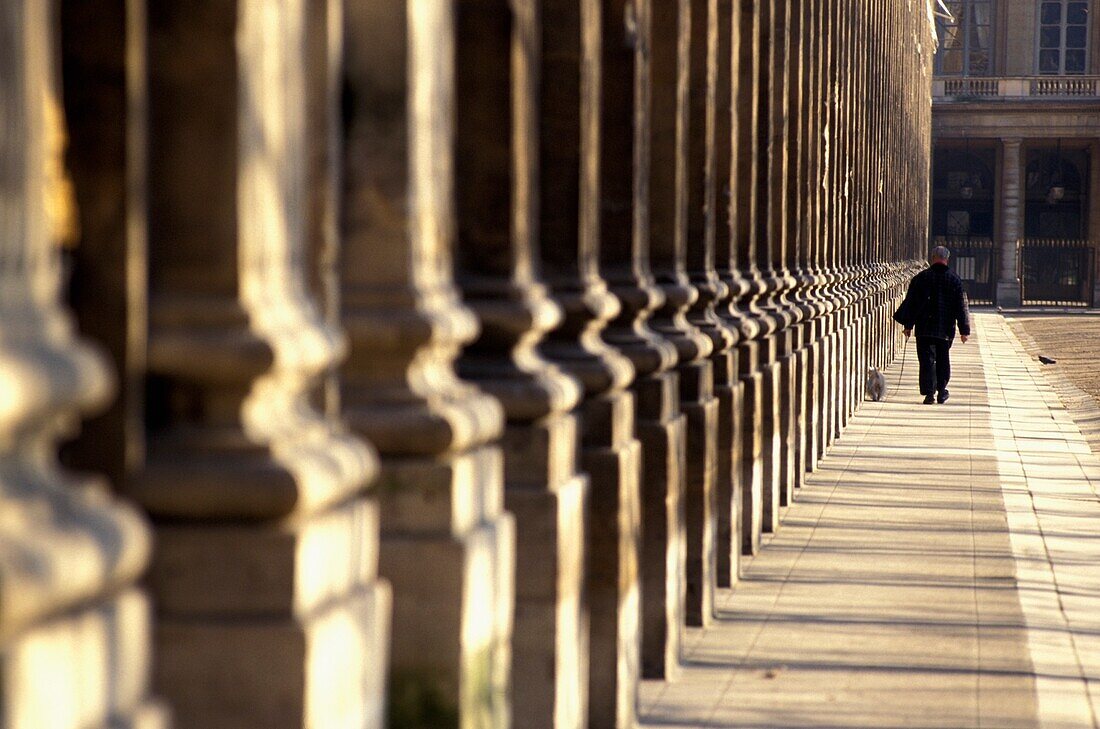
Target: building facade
1016,158
424,363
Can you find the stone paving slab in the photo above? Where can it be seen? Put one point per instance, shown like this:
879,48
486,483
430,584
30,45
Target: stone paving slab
940,569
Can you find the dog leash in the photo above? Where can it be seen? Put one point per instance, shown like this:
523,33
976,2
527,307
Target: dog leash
904,348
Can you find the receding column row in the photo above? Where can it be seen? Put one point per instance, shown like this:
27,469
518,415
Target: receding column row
466,348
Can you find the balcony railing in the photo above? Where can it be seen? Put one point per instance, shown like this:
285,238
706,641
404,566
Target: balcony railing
1016,87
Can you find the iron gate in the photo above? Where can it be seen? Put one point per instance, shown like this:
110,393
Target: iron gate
1056,272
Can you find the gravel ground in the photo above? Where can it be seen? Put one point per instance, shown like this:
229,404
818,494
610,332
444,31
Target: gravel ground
1074,341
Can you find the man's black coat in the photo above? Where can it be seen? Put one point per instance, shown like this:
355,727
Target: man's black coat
934,304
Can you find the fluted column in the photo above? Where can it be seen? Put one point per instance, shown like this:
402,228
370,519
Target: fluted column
669,187
447,543
625,136
269,610
1008,282
569,234
496,264
73,553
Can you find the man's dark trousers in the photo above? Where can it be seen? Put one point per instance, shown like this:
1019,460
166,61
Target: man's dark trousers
934,355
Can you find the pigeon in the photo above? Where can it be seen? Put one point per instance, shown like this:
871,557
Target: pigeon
1047,360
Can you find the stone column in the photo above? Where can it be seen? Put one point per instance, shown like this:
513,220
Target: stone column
447,543
72,552
568,229
810,261
787,256
1094,217
730,396
496,266
324,58
668,249
269,610
105,279
702,509
1008,283
755,326
624,257
771,240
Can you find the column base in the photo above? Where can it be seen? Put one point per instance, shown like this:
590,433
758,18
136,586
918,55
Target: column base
613,577
448,549
730,393
89,668
279,673
661,431
700,407
1008,294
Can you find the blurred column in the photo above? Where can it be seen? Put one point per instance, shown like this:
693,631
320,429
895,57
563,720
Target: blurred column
668,234
324,134
568,229
447,543
269,610
72,553
1008,283
496,266
624,168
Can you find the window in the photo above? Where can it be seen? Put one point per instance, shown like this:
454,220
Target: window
966,43
1063,36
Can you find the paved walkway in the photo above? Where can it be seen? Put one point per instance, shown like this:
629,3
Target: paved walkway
957,587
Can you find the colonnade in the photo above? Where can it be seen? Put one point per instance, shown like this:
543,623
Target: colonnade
461,348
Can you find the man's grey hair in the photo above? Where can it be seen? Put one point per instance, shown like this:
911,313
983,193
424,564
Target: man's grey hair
941,253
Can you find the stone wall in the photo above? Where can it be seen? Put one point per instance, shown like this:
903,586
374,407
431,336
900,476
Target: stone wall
461,347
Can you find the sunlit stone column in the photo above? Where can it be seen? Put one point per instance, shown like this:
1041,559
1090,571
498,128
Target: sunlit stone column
810,234
755,325
813,231
794,380
668,249
1008,283
269,610
72,553
771,240
702,509
447,543
731,393
624,257
496,264
568,228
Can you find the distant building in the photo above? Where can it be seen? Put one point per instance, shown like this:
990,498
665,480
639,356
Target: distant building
1016,128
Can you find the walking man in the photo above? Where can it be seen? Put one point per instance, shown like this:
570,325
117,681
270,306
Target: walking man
934,304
